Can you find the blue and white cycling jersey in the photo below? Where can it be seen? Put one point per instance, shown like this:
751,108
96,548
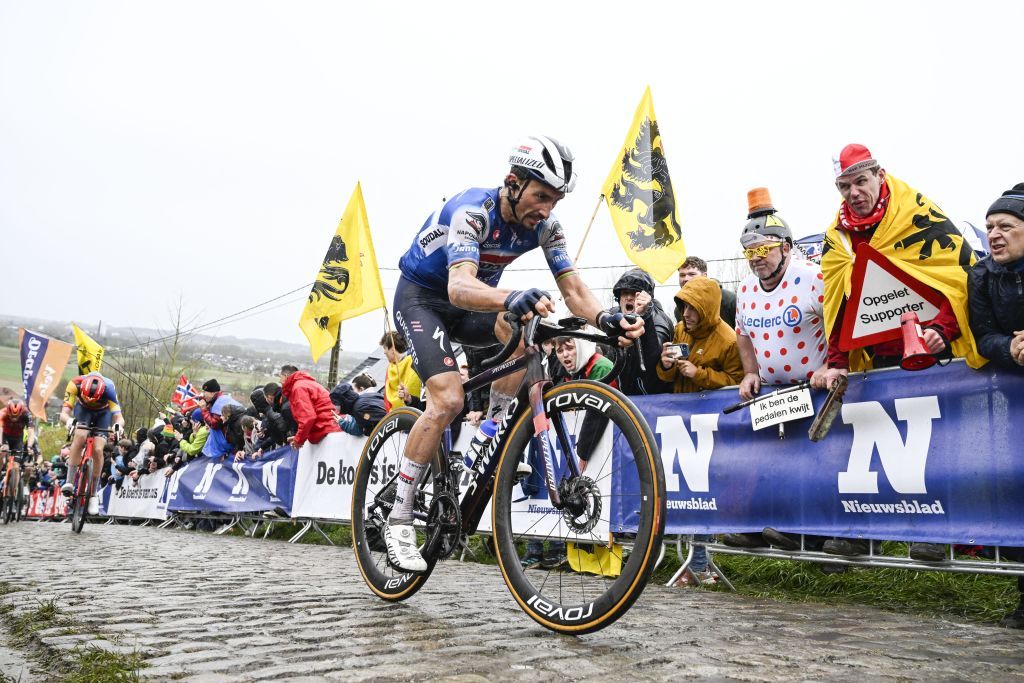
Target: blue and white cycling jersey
469,229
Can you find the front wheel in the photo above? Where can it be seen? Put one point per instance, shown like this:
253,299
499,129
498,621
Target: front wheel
80,497
612,518
373,495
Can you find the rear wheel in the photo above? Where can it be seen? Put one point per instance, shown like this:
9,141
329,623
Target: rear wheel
595,417
373,495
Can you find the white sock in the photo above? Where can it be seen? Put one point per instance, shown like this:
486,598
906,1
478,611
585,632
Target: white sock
408,481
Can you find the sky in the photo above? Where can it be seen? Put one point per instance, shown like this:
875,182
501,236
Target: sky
200,154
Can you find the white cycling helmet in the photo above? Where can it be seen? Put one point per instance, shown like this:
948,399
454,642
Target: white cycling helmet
547,160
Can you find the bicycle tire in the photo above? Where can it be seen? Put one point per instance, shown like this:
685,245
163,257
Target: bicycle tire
80,497
579,603
378,464
5,511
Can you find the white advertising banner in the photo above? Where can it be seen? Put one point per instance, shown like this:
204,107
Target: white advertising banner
324,477
143,499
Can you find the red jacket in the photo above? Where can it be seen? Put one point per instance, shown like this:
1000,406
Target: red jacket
311,408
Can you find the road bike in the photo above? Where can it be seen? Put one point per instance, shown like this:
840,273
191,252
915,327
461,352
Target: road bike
603,479
14,498
82,487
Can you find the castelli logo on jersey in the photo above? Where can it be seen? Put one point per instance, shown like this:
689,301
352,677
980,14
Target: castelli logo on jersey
448,361
496,234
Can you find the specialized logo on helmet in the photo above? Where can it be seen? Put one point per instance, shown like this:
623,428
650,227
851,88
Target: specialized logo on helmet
525,161
645,179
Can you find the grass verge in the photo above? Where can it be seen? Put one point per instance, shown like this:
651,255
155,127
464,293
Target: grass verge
84,664
975,597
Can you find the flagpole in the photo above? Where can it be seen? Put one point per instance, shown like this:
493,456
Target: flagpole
600,199
332,370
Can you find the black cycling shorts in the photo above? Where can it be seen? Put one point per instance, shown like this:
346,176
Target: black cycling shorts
429,322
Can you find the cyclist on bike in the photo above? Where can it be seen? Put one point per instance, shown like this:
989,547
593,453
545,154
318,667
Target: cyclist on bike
448,292
93,398
19,435
19,429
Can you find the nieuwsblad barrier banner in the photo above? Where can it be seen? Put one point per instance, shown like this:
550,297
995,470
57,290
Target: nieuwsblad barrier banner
215,485
928,456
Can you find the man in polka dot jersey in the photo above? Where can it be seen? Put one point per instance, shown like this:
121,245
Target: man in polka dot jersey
779,329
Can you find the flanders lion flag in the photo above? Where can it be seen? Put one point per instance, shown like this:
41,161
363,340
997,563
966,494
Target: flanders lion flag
344,288
641,200
921,241
90,354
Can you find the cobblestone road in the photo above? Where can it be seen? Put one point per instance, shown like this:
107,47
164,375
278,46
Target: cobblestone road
208,608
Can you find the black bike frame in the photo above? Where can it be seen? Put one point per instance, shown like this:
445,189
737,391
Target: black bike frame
530,396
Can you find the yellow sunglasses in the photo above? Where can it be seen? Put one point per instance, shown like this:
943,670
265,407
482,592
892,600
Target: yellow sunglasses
760,250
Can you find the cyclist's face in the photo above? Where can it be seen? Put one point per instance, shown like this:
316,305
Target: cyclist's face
536,203
567,354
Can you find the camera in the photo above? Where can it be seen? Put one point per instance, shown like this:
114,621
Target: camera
680,350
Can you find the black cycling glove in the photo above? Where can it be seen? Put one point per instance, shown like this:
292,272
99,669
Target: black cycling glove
521,302
611,323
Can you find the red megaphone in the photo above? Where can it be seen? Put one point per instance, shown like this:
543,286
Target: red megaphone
915,353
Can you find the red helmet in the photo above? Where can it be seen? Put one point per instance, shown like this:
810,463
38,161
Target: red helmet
92,389
14,407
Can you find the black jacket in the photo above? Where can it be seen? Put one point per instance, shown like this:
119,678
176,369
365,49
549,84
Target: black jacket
366,408
636,377
996,301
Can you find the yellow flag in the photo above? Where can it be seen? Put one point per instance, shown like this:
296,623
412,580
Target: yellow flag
348,283
641,200
90,354
600,560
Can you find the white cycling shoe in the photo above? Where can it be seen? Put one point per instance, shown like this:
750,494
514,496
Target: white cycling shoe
94,505
402,550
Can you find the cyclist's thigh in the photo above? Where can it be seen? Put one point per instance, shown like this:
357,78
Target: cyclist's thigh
15,443
475,329
424,318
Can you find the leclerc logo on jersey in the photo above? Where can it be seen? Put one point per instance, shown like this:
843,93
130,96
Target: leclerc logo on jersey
792,316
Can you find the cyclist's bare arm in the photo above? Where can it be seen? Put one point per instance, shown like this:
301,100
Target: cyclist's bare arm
468,293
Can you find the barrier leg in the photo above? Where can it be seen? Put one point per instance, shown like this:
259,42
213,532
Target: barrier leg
270,525
227,527
167,522
685,566
715,568
302,532
322,532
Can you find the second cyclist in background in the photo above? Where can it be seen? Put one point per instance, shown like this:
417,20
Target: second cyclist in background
90,401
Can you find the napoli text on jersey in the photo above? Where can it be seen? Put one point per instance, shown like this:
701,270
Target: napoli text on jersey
469,228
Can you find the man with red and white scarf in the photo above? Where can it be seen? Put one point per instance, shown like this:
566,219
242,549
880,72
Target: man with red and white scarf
878,211
861,181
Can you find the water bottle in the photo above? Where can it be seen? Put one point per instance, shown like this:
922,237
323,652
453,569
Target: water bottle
480,443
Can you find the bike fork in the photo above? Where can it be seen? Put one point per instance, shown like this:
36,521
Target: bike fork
543,442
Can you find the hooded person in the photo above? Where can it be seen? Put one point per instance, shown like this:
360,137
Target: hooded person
714,360
634,294
311,406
